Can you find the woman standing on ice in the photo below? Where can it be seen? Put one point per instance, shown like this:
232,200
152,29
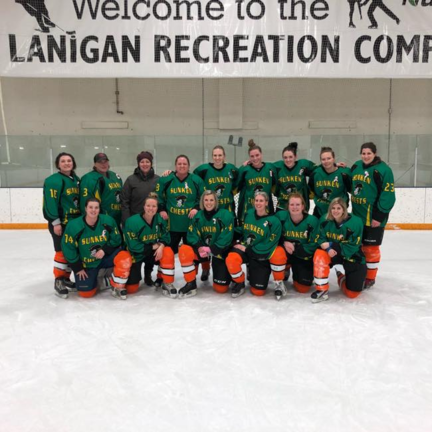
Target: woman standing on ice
210,233
372,197
255,176
339,242
291,177
61,205
328,181
147,238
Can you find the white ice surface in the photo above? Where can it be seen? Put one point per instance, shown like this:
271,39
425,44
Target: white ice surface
213,363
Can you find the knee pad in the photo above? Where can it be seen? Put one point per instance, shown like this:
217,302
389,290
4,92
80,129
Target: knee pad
257,292
122,265
303,289
233,263
186,255
87,294
132,289
350,294
221,289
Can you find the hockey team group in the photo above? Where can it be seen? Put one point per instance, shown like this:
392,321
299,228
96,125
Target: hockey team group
109,234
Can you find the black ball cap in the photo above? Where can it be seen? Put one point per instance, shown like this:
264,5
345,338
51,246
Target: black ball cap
100,157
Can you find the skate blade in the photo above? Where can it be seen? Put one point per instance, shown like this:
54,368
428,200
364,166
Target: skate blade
235,295
188,294
118,295
62,296
320,299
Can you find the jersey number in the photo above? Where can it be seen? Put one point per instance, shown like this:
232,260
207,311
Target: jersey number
389,187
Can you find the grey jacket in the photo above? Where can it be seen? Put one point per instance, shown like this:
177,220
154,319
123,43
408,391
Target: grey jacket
135,190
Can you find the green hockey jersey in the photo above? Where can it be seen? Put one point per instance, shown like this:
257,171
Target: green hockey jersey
252,180
140,236
290,180
348,235
303,234
260,234
214,229
106,189
326,187
81,241
178,197
223,181
61,198
373,192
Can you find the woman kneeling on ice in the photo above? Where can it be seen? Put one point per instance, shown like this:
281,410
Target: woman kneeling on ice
210,233
340,241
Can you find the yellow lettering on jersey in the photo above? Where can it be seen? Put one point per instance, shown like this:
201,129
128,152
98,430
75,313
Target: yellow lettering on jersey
115,185
294,234
362,178
215,180
355,200
326,183
288,179
334,236
259,180
209,229
92,240
149,237
181,190
180,211
116,207
253,228
70,191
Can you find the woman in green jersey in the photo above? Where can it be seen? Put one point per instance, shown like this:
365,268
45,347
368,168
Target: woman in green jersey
147,238
328,181
61,205
221,177
210,234
339,240
292,174
372,197
259,235
299,235
256,176
93,242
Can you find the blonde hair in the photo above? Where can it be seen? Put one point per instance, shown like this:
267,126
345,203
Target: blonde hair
264,194
207,193
342,203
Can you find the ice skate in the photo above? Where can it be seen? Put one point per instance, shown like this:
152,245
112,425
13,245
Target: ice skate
148,280
319,296
60,288
169,290
189,290
280,290
71,286
368,283
205,275
287,275
120,293
158,283
237,290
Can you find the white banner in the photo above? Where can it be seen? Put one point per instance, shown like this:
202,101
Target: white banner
216,38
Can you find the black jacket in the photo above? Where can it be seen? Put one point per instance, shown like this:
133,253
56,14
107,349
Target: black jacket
135,190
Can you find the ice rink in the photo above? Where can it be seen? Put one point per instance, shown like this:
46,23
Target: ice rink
213,363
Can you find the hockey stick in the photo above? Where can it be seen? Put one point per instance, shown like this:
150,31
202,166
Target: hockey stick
70,33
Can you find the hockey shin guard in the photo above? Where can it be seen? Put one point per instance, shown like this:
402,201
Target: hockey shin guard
321,262
187,259
122,265
234,262
373,258
61,266
166,265
278,263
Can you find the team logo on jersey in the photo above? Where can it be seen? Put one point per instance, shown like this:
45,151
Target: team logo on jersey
301,171
336,180
366,174
258,188
75,201
118,176
214,221
117,196
265,223
326,194
94,249
181,200
231,175
104,232
250,239
208,239
290,188
219,190
186,185
306,234
358,189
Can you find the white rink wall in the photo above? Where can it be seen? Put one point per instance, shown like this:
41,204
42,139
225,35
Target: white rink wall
413,206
